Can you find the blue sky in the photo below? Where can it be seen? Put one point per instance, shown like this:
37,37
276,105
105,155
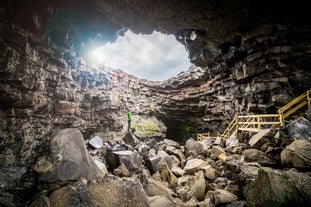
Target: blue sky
153,57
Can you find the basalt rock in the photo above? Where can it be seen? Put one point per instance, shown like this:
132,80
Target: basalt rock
247,57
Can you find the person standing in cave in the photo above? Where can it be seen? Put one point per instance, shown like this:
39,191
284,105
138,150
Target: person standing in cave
129,119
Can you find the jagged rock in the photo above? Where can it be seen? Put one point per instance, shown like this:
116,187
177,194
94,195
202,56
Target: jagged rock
174,151
154,187
114,191
297,154
276,188
262,137
194,165
161,200
175,161
209,172
170,142
96,142
167,175
232,141
208,142
131,160
218,151
299,129
129,139
153,163
10,177
143,150
178,171
121,171
101,166
68,158
220,196
193,148
255,155
199,186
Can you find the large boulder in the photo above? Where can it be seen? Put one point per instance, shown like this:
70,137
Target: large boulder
297,154
262,137
132,160
68,159
298,129
110,191
255,155
274,188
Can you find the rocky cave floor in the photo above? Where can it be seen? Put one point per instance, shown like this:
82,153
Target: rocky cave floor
270,168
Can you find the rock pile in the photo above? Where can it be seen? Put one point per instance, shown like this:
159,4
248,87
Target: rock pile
263,171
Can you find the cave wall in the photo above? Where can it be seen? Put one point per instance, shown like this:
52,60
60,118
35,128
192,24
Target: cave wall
247,58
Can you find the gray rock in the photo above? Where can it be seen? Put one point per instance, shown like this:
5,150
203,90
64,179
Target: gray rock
255,155
132,160
193,165
299,129
297,154
274,188
153,163
96,142
261,138
68,158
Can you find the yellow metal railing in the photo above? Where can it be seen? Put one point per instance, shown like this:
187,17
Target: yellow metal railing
296,104
254,123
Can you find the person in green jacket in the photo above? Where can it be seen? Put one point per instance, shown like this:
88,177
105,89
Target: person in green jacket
129,119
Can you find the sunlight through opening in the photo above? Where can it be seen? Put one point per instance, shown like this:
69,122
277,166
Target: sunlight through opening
154,57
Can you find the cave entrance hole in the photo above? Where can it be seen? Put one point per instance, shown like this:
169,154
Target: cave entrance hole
154,57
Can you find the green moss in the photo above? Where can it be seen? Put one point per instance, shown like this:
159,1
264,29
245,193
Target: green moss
146,129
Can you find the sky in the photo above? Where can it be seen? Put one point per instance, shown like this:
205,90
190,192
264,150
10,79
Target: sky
155,57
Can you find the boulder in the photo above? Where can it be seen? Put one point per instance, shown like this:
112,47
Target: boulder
96,142
68,158
153,163
220,196
199,186
299,129
255,155
167,175
274,188
155,187
114,191
194,165
297,154
161,200
131,160
262,137
129,139
218,151
194,148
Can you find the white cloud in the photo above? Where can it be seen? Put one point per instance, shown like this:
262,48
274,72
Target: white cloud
153,57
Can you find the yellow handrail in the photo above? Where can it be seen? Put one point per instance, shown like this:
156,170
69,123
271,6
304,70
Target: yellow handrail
252,123
293,106
255,123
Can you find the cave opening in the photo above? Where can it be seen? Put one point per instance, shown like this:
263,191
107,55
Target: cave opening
155,57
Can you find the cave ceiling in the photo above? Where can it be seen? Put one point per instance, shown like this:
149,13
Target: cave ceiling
70,25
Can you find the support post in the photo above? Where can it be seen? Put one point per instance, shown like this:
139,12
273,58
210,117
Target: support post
236,124
309,99
281,119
